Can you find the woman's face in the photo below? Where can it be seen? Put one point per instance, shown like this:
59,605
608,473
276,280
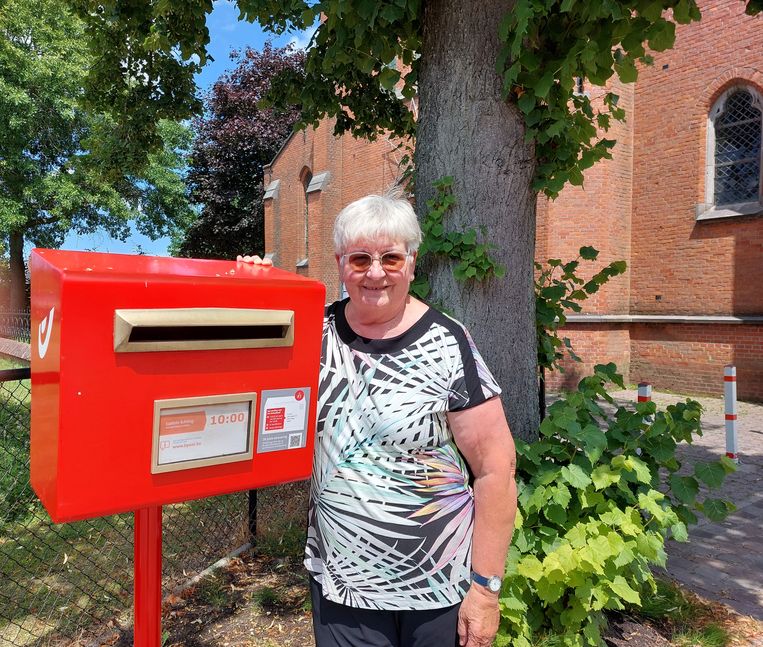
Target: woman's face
377,287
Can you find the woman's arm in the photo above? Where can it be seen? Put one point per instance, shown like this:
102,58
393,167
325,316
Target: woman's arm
483,438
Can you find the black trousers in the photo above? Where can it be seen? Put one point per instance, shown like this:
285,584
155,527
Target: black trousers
337,625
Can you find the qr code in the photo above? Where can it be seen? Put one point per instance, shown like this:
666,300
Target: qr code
295,440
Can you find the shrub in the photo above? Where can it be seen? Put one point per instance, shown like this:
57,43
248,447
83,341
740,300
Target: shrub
592,518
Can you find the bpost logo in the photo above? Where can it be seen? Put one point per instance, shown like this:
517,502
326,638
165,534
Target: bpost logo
44,330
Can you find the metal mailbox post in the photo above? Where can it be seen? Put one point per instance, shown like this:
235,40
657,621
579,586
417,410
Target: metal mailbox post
160,380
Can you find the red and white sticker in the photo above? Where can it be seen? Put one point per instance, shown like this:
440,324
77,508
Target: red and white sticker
284,413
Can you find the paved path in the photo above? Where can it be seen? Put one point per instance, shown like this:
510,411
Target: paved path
724,561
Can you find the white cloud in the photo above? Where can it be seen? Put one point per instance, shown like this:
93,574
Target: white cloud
301,40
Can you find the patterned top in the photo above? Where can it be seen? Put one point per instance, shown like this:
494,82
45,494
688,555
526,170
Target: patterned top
391,505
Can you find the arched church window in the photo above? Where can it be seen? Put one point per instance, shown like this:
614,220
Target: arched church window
734,150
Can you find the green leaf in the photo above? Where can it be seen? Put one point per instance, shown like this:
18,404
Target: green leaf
575,176
553,292
388,77
575,476
522,541
626,70
365,64
594,442
681,12
530,567
679,532
717,510
526,103
685,488
561,495
728,465
662,36
640,468
711,474
603,477
588,253
549,591
622,589
555,513
543,85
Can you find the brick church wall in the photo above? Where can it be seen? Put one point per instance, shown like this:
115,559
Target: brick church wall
680,265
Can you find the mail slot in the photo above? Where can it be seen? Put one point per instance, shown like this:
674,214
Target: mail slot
159,380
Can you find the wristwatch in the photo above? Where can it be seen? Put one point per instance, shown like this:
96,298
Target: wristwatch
492,583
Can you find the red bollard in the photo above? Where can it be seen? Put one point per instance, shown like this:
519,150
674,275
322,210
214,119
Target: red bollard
147,566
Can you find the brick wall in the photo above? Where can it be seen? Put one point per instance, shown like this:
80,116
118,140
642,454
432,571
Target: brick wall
679,265
596,214
594,344
689,358
686,358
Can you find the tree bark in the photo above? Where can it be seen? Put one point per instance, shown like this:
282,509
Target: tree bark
18,271
468,131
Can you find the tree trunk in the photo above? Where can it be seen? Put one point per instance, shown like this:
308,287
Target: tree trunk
468,131
18,273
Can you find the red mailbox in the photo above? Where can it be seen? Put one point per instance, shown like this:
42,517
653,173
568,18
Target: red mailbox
158,380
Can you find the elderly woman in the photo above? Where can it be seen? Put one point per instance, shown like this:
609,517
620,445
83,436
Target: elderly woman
412,499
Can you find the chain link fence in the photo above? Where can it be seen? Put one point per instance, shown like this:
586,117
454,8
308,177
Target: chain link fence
71,584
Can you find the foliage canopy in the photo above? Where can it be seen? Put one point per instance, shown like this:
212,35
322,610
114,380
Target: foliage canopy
55,171
363,64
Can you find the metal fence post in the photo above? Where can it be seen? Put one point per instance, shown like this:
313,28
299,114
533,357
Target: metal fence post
253,517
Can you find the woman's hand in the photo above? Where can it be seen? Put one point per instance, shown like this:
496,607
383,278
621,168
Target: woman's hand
478,618
254,260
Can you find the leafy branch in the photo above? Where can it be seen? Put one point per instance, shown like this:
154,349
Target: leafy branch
548,44
555,295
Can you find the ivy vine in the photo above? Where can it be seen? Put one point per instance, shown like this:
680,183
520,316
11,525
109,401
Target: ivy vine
558,291
472,258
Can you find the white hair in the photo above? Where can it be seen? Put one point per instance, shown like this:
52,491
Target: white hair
377,217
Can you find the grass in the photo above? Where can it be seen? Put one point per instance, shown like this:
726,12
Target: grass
58,580
213,591
686,619
267,598
7,362
61,579
710,636
285,542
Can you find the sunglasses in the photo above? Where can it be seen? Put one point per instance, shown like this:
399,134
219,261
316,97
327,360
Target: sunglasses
389,261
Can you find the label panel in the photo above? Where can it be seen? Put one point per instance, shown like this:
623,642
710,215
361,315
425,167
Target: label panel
283,419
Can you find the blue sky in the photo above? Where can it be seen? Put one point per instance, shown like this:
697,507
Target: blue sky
226,33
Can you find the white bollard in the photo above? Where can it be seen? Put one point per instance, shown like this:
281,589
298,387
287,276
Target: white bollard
644,392
644,395
730,398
